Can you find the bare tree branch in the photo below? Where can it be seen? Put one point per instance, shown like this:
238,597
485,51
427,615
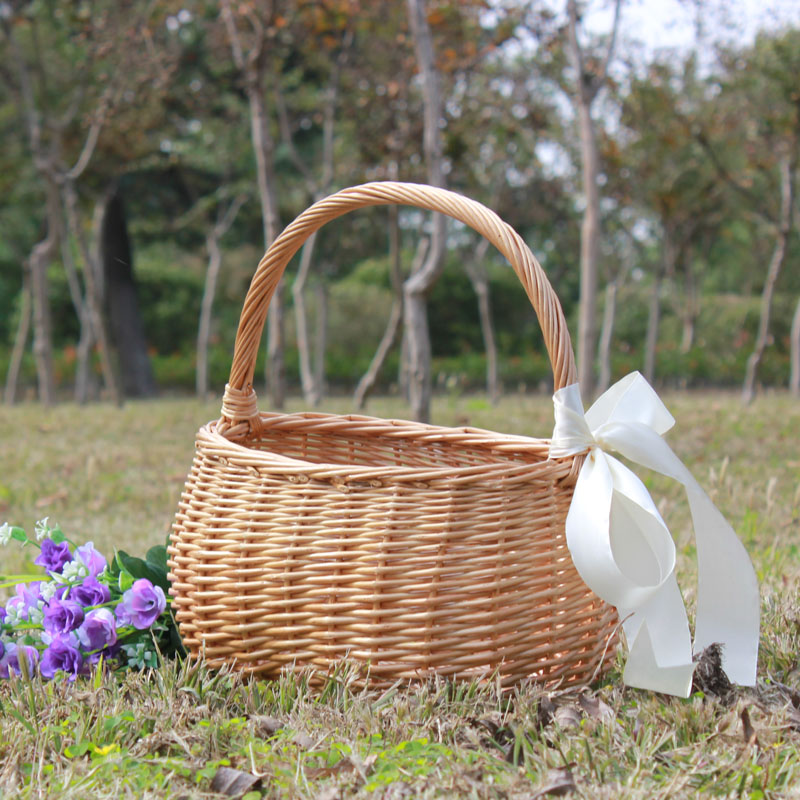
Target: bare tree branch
225,220
91,137
603,74
575,51
288,140
26,89
233,35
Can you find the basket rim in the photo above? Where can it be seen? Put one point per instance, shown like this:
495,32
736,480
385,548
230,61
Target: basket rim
232,445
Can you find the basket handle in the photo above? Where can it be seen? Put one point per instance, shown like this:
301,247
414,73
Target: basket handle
239,402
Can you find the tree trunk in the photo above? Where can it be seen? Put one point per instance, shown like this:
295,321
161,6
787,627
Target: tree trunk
775,264
589,79
590,238
687,332
311,393
419,354
606,335
79,301
669,254
40,258
215,233
93,302
794,375
653,324
417,287
367,382
86,337
480,285
320,337
690,310
122,302
403,370
204,326
264,149
20,340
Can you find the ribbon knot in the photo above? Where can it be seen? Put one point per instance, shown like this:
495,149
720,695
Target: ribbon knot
623,550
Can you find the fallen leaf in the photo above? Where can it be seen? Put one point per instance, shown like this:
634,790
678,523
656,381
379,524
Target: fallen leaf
233,782
567,716
267,726
363,766
486,723
303,740
558,783
793,716
545,711
748,731
595,708
343,765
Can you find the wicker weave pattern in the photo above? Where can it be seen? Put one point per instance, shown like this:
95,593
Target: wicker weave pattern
304,538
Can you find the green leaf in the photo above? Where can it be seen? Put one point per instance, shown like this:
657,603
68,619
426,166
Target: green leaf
157,556
125,580
76,750
57,535
18,534
144,569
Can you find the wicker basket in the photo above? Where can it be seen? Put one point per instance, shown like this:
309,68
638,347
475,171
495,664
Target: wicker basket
302,539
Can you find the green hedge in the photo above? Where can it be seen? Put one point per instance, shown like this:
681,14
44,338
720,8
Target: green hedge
358,309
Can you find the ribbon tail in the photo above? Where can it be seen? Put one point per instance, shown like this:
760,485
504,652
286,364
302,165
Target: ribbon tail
642,670
660,657
728,607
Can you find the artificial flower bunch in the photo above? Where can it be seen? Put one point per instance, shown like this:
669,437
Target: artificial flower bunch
83,610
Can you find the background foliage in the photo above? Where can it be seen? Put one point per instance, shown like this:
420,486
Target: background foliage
689,142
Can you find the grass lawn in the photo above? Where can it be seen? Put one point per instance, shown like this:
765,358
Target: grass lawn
114,476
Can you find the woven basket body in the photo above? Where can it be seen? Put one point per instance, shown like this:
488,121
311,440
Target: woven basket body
302,539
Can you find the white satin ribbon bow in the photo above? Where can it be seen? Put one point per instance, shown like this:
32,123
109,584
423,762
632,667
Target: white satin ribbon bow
624,552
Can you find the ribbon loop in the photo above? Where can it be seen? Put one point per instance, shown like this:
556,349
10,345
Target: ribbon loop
623,549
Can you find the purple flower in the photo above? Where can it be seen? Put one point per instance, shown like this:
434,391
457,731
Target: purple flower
62,616
122,615
98,630
3,616
91,592
93,560
2,649
8,648
53,556
29,594
61,655
9,663
18,608
141,605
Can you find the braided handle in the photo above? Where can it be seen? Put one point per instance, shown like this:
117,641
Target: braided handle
239,403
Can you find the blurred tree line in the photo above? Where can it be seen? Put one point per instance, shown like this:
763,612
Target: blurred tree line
151,151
